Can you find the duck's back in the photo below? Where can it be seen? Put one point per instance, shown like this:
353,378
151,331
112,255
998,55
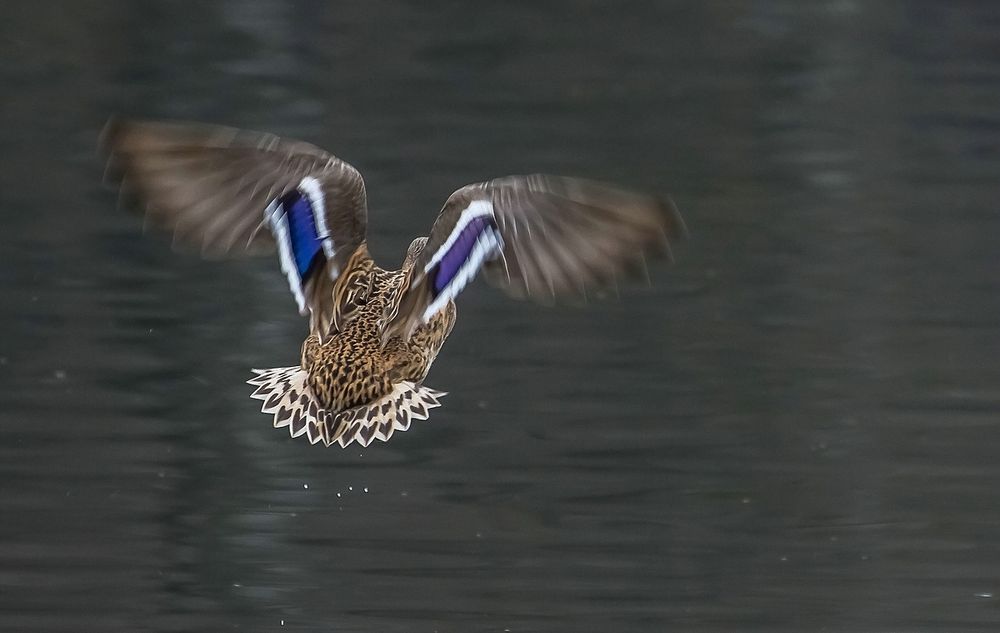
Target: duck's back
349,368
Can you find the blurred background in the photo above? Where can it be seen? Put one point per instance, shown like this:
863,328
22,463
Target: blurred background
795,428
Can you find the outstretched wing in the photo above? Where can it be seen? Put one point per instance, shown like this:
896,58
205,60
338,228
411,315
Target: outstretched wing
218,188
535,236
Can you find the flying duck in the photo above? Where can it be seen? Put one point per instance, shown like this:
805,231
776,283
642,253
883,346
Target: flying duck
374,333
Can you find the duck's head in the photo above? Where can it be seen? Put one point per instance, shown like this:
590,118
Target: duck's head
390,324
413,252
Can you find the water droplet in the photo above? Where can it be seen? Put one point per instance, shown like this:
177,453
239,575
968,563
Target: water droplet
306,486
366,488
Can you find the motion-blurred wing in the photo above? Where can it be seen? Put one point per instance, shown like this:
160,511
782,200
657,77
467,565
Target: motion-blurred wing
219,187
535,236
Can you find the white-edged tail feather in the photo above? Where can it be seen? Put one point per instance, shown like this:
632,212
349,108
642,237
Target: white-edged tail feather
393,412
287,395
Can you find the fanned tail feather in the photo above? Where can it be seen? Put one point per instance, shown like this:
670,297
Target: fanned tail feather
393,412
287,395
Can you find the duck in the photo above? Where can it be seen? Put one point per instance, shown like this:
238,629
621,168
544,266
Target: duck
374,332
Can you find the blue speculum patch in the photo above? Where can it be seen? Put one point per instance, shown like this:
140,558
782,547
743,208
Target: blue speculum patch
459,252
306,244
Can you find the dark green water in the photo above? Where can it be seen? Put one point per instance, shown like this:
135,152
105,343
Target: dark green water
796,428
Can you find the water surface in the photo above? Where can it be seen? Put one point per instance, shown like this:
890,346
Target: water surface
795,428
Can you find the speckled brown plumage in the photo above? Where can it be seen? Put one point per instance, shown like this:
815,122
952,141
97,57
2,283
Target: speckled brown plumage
352,367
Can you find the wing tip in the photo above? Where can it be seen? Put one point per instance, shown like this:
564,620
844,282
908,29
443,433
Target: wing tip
108,131
676,227
107,140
